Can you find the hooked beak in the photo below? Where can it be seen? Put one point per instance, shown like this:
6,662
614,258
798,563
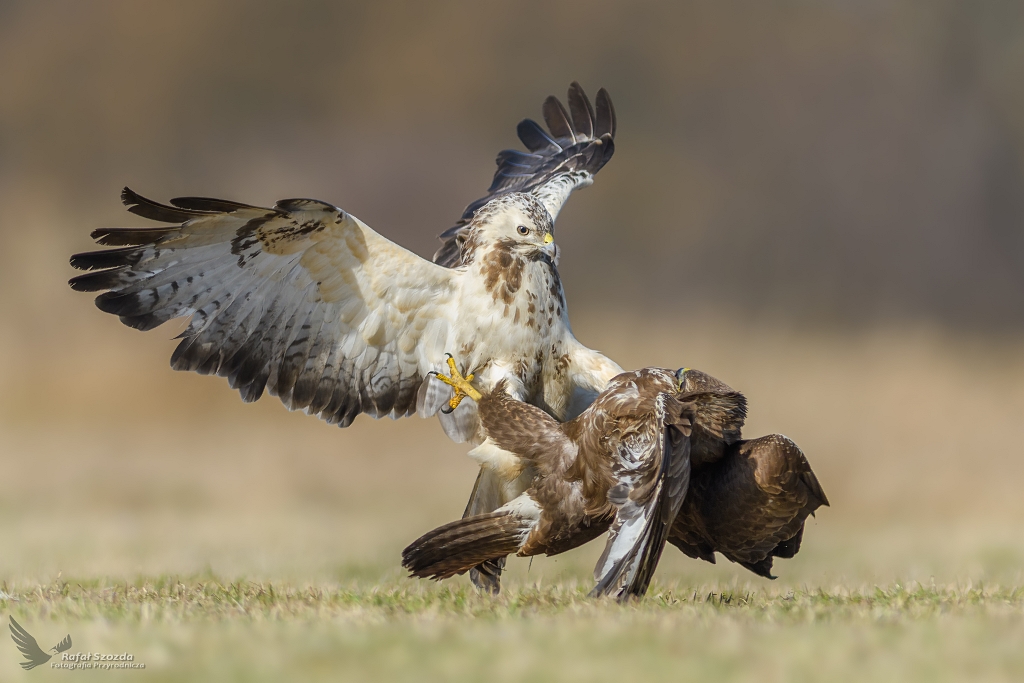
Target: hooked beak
550,247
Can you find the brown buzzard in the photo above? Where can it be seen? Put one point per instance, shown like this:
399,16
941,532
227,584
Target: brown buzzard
622,464
748,500
627,464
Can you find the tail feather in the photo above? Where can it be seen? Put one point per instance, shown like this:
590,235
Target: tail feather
457,547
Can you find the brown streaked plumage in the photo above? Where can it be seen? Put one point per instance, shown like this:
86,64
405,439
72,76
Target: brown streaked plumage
720,414
304,301
627,464
622,465
577,144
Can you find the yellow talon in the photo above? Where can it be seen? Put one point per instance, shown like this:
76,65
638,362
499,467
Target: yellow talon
461,385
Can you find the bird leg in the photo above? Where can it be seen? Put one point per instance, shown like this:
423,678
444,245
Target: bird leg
461,385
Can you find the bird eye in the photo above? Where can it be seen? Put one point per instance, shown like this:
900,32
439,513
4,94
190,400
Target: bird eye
523,230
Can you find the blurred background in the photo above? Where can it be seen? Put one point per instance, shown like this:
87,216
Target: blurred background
820,203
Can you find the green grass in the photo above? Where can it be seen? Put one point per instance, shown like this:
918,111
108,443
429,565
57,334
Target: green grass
191,628
269,544
172,599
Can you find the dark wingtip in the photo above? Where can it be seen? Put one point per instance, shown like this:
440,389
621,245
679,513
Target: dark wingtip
814,487
581,110
557,119
209,204
97,281
129,197
155,211
108,258
762,568
535,137
604,119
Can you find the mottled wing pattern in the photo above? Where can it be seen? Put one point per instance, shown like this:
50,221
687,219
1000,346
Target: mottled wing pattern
563,158
754,502
525,430
652,467
301,299
718,421
28,646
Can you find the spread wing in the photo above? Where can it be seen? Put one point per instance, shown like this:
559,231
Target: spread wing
28,646
652,467
302,299
757,499
563,158
718,422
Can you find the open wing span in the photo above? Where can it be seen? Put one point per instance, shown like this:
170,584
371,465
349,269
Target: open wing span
565,157
303,300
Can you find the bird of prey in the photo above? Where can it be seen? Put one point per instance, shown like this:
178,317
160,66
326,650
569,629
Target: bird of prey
748,499
622,465
306,301
30,648
655,442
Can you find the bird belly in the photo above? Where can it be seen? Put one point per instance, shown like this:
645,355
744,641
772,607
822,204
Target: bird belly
505,464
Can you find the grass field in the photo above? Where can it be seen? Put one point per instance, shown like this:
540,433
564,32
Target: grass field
151,512
185,629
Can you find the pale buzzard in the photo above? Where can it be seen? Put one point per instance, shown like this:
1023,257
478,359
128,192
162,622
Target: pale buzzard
305,301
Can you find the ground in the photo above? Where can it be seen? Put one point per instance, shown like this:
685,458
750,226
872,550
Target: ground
202,628
150,512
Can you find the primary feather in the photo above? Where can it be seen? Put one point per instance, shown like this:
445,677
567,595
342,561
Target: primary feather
306,302
309,303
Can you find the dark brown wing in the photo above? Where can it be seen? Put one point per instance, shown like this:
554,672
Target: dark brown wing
526,430
564,158
718,422
752,504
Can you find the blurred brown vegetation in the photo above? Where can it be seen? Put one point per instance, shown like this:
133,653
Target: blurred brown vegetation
818,202
835,161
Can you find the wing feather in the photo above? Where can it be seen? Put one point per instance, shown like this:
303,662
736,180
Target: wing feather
604,119
652,468
579,144
581,110
301,299
557,118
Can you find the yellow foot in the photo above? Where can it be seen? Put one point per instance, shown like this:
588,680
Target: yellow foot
461,385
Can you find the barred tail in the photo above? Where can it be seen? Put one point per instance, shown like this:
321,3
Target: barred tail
457,547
